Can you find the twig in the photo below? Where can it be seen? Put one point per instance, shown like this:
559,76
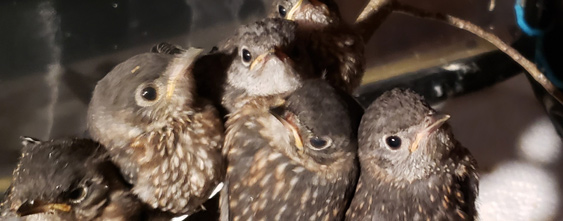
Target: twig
373,15
530,67
372,6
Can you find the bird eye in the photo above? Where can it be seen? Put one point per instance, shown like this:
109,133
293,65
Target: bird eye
78,194
246,56
320,143
393,142
149,93
282,11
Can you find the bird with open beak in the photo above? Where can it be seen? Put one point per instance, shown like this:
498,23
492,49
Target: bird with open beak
262,65
70,179
412,168
293,161
164,137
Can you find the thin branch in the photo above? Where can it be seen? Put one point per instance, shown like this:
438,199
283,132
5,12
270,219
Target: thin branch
372,6
373,15
530,67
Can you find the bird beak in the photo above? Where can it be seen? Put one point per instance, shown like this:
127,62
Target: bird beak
435,122
179,67
291,14
300,6
287,121
264,57
260,59
38,206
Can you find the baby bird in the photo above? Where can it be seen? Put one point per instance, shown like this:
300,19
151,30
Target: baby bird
311,14
412,168
261,66
165,139
294,161
336,49
70,179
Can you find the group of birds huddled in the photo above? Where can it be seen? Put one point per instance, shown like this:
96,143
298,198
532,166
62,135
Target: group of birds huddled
266,120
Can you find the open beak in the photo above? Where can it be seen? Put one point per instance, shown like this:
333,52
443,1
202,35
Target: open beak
179,66
435,121
288,122
301,5
261,59
38,206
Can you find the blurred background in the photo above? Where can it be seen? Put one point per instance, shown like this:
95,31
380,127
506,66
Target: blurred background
52,53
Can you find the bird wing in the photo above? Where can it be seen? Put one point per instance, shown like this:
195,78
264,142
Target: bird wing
5,205
468,180
243,141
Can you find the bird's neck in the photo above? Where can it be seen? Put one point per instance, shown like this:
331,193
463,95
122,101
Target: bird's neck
243,103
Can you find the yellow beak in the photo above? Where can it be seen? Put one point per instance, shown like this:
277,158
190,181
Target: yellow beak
299,5
263,57
436,120
37,206
293,129
179,66
260,59
290,16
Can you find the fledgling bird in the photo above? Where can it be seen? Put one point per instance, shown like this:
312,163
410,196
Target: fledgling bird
69,179
336,48
412,168
261,65
165,139
311,14
296,161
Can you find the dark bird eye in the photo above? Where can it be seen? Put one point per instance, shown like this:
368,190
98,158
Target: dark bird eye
393,142
246,56
78,194
282,11
320,143
149,93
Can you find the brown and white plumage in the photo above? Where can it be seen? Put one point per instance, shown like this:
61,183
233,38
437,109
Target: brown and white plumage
310,14
293,162
336,49
70,179
165,139
412,168
261,66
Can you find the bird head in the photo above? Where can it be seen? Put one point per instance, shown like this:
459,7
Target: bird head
70,179
140,95
316,13
263,64
319,123
402,135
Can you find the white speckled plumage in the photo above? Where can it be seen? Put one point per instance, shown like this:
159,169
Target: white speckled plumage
163,157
